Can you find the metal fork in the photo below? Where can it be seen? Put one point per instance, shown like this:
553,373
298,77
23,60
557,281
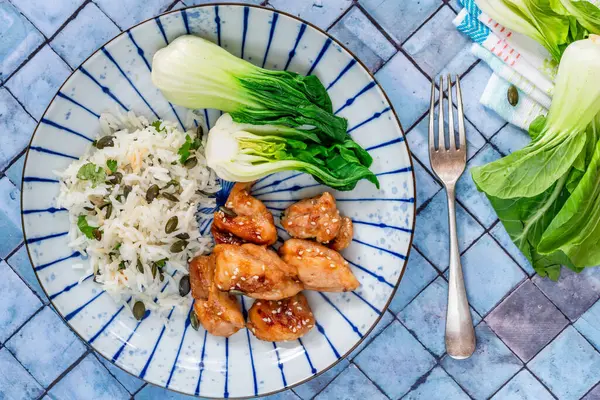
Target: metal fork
449,164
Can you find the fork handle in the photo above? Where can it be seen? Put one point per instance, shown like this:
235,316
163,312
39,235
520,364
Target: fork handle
460,335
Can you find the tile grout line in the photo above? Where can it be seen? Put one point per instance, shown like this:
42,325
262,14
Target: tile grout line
66,371
44,301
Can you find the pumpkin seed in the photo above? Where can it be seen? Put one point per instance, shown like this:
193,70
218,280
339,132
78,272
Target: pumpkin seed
116,178
109,209
205,193
126,190
106,141
151,193
154,270
161,276
172,182
171,224
182,236
191,162
228,211
194,320
139,310
184,285
512,95
199,131
169,196
89,208
140,267
178,246
97,234
236,292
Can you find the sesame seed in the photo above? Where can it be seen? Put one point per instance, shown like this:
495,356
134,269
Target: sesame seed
288,313
308,250
289,223
323,209
226,273
263,267
303,322
335,220
294,330
242,278
332,265
253,330
241,223
274,311
329,258
256,277
328,231
278,302
219,313
248,203
299,308
258,303
235,271
219,286
294,303
313,223
301,252
230,204
279,310
299,258
205,304
309,326
325,223
237,284
265,319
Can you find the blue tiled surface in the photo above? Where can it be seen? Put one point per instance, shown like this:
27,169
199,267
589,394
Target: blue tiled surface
538,339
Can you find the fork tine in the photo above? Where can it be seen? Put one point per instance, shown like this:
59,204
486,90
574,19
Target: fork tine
441,134
452,145
460,116
432,119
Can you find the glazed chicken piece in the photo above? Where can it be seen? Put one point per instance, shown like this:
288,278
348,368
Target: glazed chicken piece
276,321
319,268
315,217
224,237
344,236
201,276
246,217
220,315
255,271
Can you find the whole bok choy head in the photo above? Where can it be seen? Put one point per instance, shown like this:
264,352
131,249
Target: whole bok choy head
547,194
195,73
244,153
552,23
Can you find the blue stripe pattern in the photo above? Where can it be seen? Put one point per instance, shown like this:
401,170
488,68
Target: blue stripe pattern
245,29
38,179
50,210
351,100
321,53
161,29
373,274
42,238
185,21
322,332
54,153
97,334
371,118
399,139
218,23
64,96
201,365
377,310
293,51
185,328
64,128
69,287
162,331
381,225
396,254
346,69
245,313
313,370
354,327
280,365
226,389
271,33
104,88
49,264
72,314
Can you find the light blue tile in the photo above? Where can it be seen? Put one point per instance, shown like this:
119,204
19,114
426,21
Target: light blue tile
47,16
568,366
89,380
418,138
500,234
510,138
427,186
437,43
127,13
15,171
359,34
16,127
18,302
431,233
574,293
151,392
419,273
487,369
393,367
486,121
15,381
437,385
589,325
179,5
490,274
10,217
407,88
381,325
466,191
36,83
523,387
46,356
593,394
319,12
21,264
388,12
351,384
19,39
198,2
90,23
310,389
526,321
130,382
462,61
285,395
425,316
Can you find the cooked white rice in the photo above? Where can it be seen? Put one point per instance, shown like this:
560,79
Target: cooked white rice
145,157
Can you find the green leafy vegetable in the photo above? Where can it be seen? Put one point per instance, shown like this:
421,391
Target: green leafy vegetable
92,172
586,13
243,155
195,73
89,231
156,125
112,165
186,149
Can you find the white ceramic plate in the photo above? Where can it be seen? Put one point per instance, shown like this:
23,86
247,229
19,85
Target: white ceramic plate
117,77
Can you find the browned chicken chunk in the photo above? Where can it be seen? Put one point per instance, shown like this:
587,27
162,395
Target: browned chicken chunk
223,237
201,276
316,217
344,236
276,321
319,268
246,217
220,315
255,271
